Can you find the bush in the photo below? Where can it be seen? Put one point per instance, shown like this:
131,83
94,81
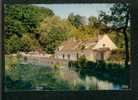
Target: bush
16,84
117,55
81,87
82,61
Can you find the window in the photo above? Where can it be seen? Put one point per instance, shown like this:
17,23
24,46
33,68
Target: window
103,45
63,56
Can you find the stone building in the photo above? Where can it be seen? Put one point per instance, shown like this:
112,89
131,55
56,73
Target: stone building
72,49
93,50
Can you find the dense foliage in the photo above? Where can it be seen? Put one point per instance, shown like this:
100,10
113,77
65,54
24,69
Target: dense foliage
28,27
21,22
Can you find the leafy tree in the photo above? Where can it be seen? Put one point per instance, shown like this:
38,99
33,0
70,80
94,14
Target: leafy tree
52,32
21,19
12,27
119,20
97,26
29,43
13,44
75,20
21,22
94,22
54,38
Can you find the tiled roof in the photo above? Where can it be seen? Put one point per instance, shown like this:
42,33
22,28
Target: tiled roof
76,45
70,45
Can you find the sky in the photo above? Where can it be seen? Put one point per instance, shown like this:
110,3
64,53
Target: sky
63,10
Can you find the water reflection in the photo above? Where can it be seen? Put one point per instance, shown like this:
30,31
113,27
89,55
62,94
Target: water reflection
89,82
100,84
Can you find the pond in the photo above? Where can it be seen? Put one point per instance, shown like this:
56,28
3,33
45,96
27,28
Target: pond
103,85
89,81
73,77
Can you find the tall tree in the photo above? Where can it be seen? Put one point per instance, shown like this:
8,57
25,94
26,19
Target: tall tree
21,22
75,20
20,19
93,21
119,20
52,31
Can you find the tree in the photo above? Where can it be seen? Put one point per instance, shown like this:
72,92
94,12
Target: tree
13,44
53,39
20,19
21,23
97,26
29,43
75,20
119,20
52,32
93,22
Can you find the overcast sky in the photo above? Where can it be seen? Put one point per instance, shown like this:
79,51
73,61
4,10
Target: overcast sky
63,10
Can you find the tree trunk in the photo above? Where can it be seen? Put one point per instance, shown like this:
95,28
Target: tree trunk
126,49
126,40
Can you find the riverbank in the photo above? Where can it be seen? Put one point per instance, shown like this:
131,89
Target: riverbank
36,71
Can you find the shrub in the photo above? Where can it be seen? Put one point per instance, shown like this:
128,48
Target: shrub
16,84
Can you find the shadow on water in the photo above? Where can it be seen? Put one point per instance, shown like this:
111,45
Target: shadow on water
88,82
93,76
109,73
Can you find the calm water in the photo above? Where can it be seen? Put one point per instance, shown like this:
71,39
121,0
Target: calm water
89,80
73,77
104,85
